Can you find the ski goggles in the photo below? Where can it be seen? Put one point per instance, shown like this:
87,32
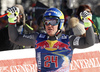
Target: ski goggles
51,20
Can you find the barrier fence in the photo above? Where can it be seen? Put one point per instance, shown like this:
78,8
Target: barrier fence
23,60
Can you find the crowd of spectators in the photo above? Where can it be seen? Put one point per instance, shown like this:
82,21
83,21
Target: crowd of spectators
38,25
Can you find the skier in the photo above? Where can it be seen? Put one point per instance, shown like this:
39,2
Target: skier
53,49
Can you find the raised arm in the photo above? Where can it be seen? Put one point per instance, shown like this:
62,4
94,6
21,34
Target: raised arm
26,40
83,42
89,39
15,37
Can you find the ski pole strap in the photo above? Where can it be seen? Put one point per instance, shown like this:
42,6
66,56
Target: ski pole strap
95,28
3,15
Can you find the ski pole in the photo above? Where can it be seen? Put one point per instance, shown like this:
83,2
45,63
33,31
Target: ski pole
3,15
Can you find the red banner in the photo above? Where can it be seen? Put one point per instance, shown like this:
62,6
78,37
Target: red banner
86,62
23,60
18,65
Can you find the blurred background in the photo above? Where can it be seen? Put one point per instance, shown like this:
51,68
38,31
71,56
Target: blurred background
68,7
34,10
50,3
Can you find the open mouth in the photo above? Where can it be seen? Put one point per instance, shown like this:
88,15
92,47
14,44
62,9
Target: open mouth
49,29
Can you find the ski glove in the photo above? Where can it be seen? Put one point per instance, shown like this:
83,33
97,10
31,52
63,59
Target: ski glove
13,13
84,17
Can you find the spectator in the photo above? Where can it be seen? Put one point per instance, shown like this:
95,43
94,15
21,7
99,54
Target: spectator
82,8
5,43
40,24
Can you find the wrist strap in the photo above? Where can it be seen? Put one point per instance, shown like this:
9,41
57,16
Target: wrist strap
12,23
87,28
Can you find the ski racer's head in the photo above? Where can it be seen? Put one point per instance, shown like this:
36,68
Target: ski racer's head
53,20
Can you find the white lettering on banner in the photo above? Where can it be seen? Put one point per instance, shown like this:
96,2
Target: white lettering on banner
84,63
39,60
4,69
30,68
19,68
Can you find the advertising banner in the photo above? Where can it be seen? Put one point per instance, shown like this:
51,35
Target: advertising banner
23,60
86,60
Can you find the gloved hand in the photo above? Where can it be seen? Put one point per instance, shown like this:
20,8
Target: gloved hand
13,13
84,17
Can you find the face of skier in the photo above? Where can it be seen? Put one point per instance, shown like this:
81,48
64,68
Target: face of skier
51,30
51,25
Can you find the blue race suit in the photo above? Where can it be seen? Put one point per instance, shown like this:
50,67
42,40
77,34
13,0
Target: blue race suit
53,56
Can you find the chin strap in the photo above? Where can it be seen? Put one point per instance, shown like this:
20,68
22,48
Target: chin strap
58,32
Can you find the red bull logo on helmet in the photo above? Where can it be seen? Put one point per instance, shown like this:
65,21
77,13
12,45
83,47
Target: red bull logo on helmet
52,45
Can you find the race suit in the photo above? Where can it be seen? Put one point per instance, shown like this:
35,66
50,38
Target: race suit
52,54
